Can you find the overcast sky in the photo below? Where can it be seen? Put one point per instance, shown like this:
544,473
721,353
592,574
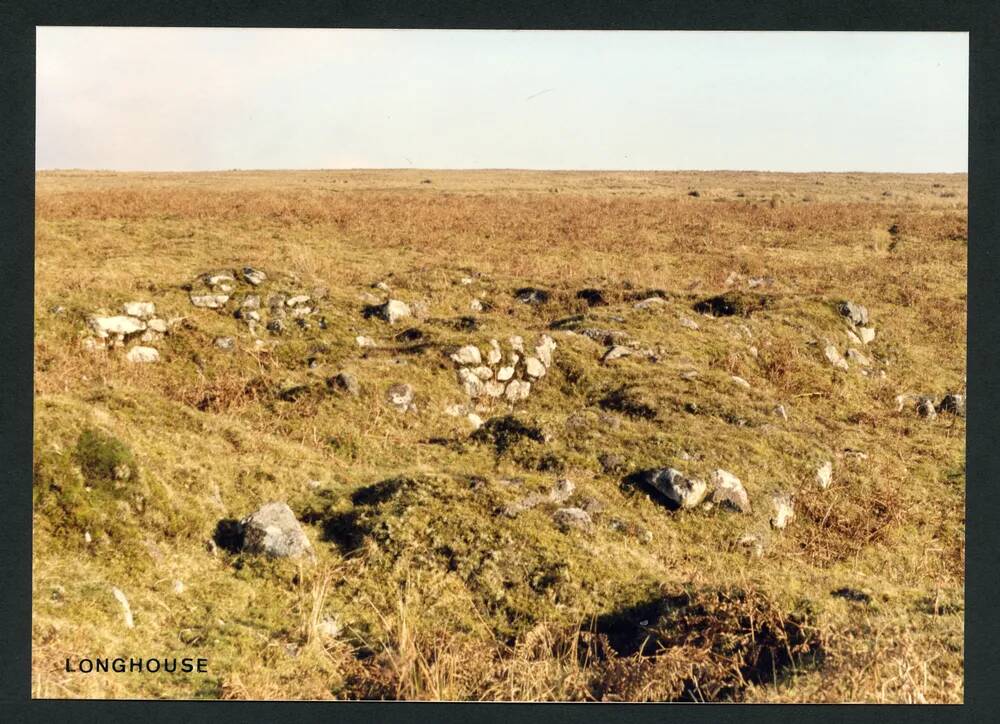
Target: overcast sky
205,99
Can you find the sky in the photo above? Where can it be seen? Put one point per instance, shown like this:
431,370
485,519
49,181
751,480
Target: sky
193,99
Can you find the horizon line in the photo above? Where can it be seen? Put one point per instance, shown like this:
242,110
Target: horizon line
429,169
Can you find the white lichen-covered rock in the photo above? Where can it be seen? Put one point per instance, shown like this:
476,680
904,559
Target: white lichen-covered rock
517,390
475,420
209,301
857,313
472,385
505,373
572,519
517,343
482,372
468,355
273,530
254,277
824,475
867,334
728,491
494,388
143,355
394,310
363,341
401,397
562,490
476,305
853,337
782,511
298,300
534,367
926,408
495,354
835,358
544,350
651,303
121,325
739,381
676,487
616,352
858,358
688,323
126,608
157,325
142,310
218,278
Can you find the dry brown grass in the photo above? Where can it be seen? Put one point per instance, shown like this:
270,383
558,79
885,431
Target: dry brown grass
441,599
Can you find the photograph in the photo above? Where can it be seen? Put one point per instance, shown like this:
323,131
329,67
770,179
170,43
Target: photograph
499,365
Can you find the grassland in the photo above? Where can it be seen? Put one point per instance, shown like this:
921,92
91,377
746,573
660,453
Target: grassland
431,592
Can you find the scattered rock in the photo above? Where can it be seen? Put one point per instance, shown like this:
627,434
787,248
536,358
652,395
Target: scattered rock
572,518
298,300
867,334
363,341
178,587
345,382
531,295
495,355
157,325
209,301
546,346
857,313
562,490
517,390
689,323
142,310
729,492
824,475
925,408
121,326
273,530
853,337
679,491
858,358
468,355
835,358
143,355
482,372
476,305
126,608
475,420
505,373
534,367
741,382
952,403
253,276
392,311
276,326
650,303
616,352
472,385
517,343
783,511
494,389
400,396
226,343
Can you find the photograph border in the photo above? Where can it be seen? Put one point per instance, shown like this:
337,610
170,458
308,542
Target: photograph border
17,95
